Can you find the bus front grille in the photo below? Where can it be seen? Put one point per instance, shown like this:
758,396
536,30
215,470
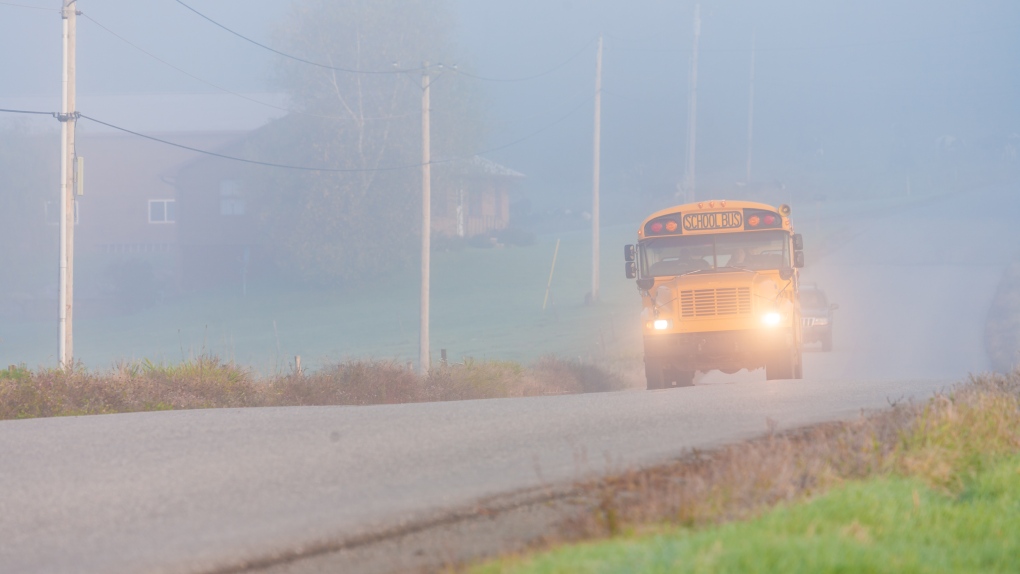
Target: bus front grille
714,302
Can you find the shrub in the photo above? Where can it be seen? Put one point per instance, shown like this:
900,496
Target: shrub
209,382
349,383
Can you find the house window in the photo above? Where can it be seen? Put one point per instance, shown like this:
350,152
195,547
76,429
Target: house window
53,212
162,211
231,200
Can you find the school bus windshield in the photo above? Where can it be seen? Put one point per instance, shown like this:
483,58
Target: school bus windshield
757,250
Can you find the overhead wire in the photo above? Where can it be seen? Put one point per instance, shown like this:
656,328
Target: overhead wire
293,57
29,112
334,170
219,87
29,6
394,71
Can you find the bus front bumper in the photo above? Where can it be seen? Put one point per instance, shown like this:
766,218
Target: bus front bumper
728,351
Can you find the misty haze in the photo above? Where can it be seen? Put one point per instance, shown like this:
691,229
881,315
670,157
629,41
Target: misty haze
876,123
248,183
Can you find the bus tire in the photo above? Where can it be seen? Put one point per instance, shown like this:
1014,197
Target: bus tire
827,341
781,365
653,374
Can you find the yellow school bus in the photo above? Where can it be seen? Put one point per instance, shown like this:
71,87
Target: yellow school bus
718,283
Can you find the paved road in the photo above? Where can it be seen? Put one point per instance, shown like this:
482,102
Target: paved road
186,491
193,491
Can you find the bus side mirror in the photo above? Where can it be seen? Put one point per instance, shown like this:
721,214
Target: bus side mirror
798,242
798,259
631,269
629,254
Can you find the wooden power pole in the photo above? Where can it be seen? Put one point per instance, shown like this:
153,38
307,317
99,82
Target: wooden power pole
595,187
424,359
68,116
750,113
692,107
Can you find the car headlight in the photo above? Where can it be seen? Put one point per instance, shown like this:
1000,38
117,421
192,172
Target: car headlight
771,319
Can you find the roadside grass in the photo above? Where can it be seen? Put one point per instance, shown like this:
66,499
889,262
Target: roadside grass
486,303
925,487
209,382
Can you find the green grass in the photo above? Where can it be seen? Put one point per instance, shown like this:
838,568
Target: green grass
209,382
485,304
884,525
929,487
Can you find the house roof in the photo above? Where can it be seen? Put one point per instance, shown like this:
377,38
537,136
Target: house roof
164,113
478,165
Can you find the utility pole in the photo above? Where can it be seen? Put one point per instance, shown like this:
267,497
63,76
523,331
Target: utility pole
67,117
595,187
692,106
426,228
750,113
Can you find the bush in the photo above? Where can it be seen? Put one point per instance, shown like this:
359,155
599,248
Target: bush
209,382
349,383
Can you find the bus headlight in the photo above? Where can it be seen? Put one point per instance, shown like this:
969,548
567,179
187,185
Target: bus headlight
662,324
771,319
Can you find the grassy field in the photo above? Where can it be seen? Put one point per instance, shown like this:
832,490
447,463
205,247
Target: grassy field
486,304
886,525
931,487
208,382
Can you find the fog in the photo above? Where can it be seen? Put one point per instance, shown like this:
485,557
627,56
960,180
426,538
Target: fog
890,127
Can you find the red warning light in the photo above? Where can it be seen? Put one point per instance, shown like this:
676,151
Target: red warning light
770,219
657,227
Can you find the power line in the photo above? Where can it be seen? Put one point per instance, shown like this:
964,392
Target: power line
241,159
394,71
332,170
29,6
29,112
218,87
296,58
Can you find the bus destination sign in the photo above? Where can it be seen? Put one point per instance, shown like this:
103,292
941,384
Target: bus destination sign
714,220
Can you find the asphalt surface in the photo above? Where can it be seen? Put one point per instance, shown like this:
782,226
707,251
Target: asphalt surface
195,490
206,490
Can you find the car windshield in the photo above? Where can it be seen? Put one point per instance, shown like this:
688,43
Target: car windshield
813,299
756,250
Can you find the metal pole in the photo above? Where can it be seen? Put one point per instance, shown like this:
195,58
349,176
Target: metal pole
692,115
426,200
65,350
595,189
750,113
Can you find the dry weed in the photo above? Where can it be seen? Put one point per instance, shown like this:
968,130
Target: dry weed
208,382
960,430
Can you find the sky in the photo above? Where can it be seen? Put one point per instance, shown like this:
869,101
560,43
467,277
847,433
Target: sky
865,86
871,99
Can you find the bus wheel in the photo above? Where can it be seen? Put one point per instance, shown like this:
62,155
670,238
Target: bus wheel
780,365
653,374
677,378
827,341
